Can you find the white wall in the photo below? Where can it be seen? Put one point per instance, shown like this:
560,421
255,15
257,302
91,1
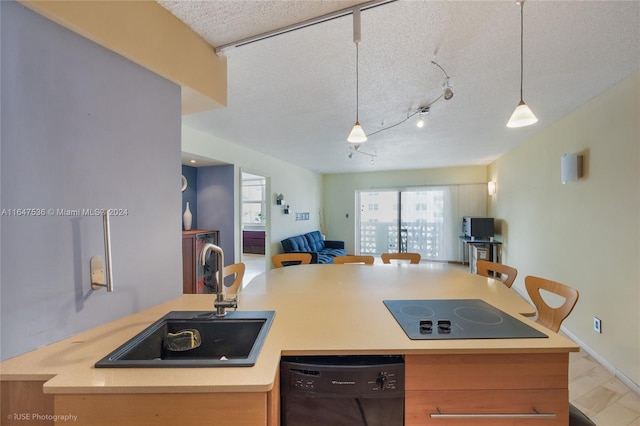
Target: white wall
302,188
340,191
80,125
585,234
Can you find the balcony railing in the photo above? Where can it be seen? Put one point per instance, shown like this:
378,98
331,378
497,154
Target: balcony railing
420,237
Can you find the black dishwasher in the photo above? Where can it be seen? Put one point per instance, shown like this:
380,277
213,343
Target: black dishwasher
352,390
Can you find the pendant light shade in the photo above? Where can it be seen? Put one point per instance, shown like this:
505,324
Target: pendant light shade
357,134
522,116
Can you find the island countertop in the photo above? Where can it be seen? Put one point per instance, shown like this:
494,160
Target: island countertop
320,309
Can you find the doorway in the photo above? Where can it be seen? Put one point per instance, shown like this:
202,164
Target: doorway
254,223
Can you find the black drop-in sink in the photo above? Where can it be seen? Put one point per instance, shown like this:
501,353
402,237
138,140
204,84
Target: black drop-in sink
232,341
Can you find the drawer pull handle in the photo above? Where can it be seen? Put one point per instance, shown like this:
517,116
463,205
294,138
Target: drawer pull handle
535,414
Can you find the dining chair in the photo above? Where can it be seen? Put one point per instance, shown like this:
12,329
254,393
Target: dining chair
552,319
289,259
350,258
237,270
411,257
490,269
549,316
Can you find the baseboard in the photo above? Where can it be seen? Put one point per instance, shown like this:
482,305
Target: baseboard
606,364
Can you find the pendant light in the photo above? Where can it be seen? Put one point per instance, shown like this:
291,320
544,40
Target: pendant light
357,135
522,116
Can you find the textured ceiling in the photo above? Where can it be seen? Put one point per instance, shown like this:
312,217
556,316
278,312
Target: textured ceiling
293,96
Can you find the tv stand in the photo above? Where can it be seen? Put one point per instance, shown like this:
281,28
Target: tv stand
485,249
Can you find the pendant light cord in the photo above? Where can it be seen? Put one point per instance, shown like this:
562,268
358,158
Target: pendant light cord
357,85
521,46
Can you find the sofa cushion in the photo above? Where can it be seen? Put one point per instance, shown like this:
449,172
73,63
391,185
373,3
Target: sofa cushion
324,258
297,243
333,252
315,241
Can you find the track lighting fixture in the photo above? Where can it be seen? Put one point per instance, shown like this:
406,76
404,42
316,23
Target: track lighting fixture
447,90
447,94
357,134
356,149
423,111
522,116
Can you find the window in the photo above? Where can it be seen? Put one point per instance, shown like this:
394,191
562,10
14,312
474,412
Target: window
423,220
253,200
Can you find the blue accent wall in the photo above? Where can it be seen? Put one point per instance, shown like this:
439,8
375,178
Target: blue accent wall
191,194
216,206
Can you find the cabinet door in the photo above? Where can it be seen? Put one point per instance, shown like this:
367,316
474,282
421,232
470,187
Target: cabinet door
186,409
206,274
188,264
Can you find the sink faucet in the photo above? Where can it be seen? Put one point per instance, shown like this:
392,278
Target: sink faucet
220,304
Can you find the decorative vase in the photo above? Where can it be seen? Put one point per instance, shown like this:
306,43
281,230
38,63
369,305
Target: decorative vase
187,218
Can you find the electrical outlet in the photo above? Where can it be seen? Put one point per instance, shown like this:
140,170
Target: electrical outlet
597,325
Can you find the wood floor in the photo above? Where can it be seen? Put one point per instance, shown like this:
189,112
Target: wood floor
592,388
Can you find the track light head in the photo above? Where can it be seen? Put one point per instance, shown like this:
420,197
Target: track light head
421,122
448,90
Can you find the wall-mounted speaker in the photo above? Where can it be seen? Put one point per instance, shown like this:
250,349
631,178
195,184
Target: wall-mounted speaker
570,167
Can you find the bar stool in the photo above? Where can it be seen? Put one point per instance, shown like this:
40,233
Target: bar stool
236,269
548,316
289,259
411,257
490,269
341,260
552,319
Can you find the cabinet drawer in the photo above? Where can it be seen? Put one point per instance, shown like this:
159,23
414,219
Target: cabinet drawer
487,371
487,407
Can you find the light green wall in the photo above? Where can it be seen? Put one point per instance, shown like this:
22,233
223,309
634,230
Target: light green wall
340,190
584,234
302,188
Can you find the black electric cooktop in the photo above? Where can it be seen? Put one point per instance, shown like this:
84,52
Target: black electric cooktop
457,319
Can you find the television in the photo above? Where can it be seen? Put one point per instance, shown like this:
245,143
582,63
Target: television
477,227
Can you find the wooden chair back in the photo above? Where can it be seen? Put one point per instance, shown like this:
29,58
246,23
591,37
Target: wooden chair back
411,257
549,316
489,269
341,260
288,259
236,269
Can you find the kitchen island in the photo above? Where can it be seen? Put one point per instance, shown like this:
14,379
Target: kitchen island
320,309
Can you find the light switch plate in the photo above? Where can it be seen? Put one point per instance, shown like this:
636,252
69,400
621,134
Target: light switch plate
597,325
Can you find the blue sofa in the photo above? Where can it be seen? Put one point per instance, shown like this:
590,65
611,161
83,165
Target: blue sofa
321,251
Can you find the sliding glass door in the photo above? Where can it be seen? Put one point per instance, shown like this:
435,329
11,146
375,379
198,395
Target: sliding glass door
422,220
425,223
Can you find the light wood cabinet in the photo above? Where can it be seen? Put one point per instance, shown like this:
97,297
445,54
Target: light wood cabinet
492,389
24,403
185,409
